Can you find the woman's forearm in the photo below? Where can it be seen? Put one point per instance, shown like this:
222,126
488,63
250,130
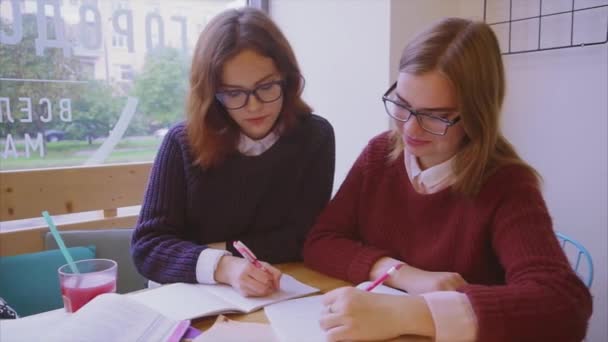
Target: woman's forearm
415,316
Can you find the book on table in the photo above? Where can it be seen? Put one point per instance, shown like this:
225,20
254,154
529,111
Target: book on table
107,317
159,314
189,301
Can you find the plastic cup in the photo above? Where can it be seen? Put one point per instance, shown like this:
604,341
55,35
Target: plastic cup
95,277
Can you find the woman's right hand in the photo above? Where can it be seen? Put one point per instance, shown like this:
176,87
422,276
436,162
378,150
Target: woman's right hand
244,277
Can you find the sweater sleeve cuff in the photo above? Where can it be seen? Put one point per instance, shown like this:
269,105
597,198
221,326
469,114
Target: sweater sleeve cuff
207,264
453,316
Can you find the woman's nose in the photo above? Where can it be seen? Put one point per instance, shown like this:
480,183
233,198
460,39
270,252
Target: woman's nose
412,127
253,104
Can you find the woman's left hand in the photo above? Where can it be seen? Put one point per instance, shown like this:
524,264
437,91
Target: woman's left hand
353,314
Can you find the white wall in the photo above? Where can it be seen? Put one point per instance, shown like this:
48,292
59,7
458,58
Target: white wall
560,127
343,50
409,18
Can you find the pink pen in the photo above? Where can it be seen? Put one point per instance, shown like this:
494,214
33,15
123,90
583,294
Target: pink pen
248,255
383,278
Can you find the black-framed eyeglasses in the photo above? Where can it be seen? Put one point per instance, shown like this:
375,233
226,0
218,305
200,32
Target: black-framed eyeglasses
431,123
238,98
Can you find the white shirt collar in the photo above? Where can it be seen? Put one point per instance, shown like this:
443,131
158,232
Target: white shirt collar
430,180
251,147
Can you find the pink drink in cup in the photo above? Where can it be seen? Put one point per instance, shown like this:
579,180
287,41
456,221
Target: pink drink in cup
95,277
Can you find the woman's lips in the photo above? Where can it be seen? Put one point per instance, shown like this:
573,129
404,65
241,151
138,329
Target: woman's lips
415,142
257,120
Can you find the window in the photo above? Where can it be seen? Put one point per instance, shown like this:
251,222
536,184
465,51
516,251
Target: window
126,72
64,88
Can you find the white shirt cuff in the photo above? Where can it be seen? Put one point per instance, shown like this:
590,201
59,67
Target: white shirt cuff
207,264
453,316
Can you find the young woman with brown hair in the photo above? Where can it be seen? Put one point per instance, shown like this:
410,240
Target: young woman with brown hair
251,163
445,195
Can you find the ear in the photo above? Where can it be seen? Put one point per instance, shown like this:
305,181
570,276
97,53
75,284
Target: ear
302,84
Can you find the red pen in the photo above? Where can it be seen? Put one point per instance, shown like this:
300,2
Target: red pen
383,278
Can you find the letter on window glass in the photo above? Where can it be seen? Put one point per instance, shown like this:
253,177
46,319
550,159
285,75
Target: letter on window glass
27,109
160,31
7,109
90,32
184,30
17,35
34,145
65,110
9,147
43,41
49,114
128,30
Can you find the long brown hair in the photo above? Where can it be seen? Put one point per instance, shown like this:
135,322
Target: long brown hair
212,133
468,55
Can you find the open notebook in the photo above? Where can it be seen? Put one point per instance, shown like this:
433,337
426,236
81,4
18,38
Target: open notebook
189,301
298,320
107,317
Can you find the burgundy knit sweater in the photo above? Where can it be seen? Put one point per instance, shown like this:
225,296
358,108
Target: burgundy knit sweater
521,285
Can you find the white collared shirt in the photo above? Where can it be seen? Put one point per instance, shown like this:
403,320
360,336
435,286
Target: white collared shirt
251,147
431,180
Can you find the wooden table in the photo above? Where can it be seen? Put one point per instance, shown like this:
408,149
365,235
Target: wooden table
296,270
307,276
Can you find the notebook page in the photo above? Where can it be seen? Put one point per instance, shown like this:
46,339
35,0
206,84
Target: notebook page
289,288
113,317
185,301
28,328
297,320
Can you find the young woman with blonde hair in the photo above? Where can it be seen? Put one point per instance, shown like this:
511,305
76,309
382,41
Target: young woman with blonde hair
251,163
445,195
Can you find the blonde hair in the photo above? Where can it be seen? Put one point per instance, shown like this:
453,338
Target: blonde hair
212,133
468,55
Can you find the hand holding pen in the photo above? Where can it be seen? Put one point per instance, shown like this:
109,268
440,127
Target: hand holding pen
247,275
383,278
272,272
352,314
329,298
251,276
248,255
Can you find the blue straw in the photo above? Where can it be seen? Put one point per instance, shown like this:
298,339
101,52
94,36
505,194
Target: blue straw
59,241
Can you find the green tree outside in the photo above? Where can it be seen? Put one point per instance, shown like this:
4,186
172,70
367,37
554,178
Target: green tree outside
161,89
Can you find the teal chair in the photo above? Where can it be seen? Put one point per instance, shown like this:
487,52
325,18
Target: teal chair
29,282
112,244
577,253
